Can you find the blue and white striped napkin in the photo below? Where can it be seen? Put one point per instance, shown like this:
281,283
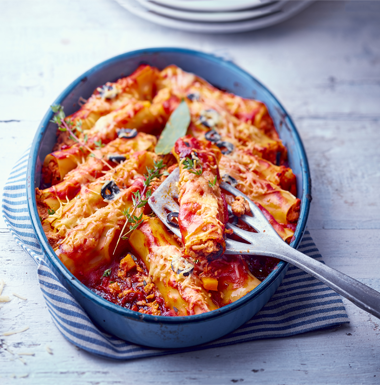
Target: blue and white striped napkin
301,303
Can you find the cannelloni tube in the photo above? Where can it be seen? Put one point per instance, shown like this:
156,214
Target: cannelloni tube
207,116
92,243
59,163
203,212
184,84
93,168
89,199
279,175
233,276
280,203
140,85
181,290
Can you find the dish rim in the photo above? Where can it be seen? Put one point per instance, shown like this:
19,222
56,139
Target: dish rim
71,280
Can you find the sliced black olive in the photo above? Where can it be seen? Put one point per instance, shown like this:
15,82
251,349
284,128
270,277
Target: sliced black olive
215,255
107,91
205,122
170,217
127,133
181,265
117,158
195,96
229,179
213,136
226,147
109,190
209,118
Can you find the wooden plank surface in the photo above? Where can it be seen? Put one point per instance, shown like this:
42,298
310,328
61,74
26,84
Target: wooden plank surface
324,66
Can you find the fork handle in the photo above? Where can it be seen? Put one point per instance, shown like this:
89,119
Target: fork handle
361,295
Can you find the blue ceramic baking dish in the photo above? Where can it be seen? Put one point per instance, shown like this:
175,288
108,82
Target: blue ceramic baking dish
161,331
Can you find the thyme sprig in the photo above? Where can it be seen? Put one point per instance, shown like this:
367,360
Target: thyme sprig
67,125
213,183
139,200
191,165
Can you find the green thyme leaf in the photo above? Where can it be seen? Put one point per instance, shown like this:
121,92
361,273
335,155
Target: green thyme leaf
51,211
107,273
71,137
61,114
190,165
175,128
212,184
99,144
55,108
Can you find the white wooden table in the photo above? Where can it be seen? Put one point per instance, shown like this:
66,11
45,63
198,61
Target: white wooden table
324,65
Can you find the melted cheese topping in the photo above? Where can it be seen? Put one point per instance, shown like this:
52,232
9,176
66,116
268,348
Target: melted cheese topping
88,233
202,213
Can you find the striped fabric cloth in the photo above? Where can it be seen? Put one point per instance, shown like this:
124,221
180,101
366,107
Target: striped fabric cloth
301,303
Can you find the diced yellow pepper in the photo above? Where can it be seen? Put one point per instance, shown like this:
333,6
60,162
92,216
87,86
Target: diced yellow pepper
127,263
115,288
210,283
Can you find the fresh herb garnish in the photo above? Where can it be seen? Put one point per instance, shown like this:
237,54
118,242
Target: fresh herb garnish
190,165
51,211
175,128
66,124
139,200
107,273
98,144
212,184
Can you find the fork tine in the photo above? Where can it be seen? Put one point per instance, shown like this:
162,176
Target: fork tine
246,235
258,221
163,199
233,190
162,202
233,247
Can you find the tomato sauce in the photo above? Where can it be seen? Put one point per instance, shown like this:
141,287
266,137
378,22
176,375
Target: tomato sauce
132,290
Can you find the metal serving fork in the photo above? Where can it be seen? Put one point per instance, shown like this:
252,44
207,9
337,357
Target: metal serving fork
268,243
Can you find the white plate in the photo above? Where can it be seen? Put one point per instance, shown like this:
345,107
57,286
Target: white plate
290,9
213,5
212,16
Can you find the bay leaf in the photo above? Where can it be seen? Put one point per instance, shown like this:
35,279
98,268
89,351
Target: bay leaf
175,128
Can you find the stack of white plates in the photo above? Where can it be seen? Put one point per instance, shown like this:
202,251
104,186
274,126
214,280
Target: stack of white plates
215,16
